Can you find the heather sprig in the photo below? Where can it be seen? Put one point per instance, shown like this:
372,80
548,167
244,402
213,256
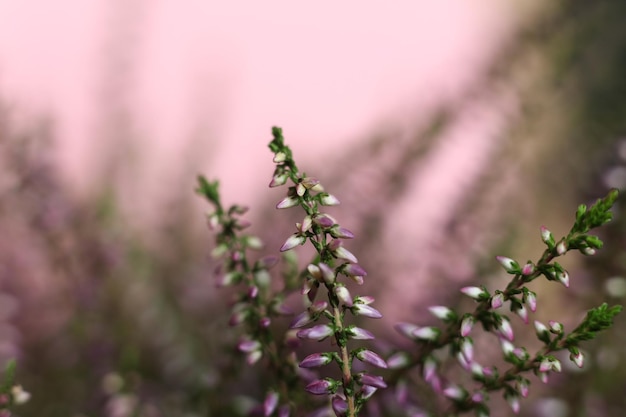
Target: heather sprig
332,269
256,304
455,334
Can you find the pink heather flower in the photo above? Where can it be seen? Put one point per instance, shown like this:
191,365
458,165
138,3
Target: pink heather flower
321,386
372,358
305,226
477,369
588,251
324,220
340,406
318,307
508,264
555,327
577,358
288,202
270,403
328,200
540,328
478,397
300,189
364,299
466,325
455,392
406,329
507,347
278,180
340,252
339,232
310,182
474,292
327,273
441,312
354,271
513,401
543,377
550,364
531,300
319,332
315,360
265,322
463,362
563,278
505,329
315,271
522,312
366,310
359,334
426,333
247,346
467,349
429,369
528,269
344,295
279,157
497,300
398,360
371,380
561,248
546,235
293,241
522,387
367,391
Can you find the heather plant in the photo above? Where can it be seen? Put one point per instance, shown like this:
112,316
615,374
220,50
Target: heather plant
332,311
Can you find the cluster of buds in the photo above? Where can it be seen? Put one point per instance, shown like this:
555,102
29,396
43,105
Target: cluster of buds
333,268
256,305
455,335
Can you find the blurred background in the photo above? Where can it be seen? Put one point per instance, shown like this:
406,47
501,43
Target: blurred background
450,131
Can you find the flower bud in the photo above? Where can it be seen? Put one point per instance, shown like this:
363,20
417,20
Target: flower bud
278,180
328,275
442,312
561,248
318,332
340,252
339,232
455,392
328,200
505,329
270,403
293,241
288,202
316,360
426,333
522,386
406,329
578,358
563,278
359,334
542,332
513,401
398,360
371,380
467,349
343,295
508,264
429,369
322,386
279,157
372,358
476,293
339,405
467,324
528,269
324,220
531,299
522,312
497,300
366,310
